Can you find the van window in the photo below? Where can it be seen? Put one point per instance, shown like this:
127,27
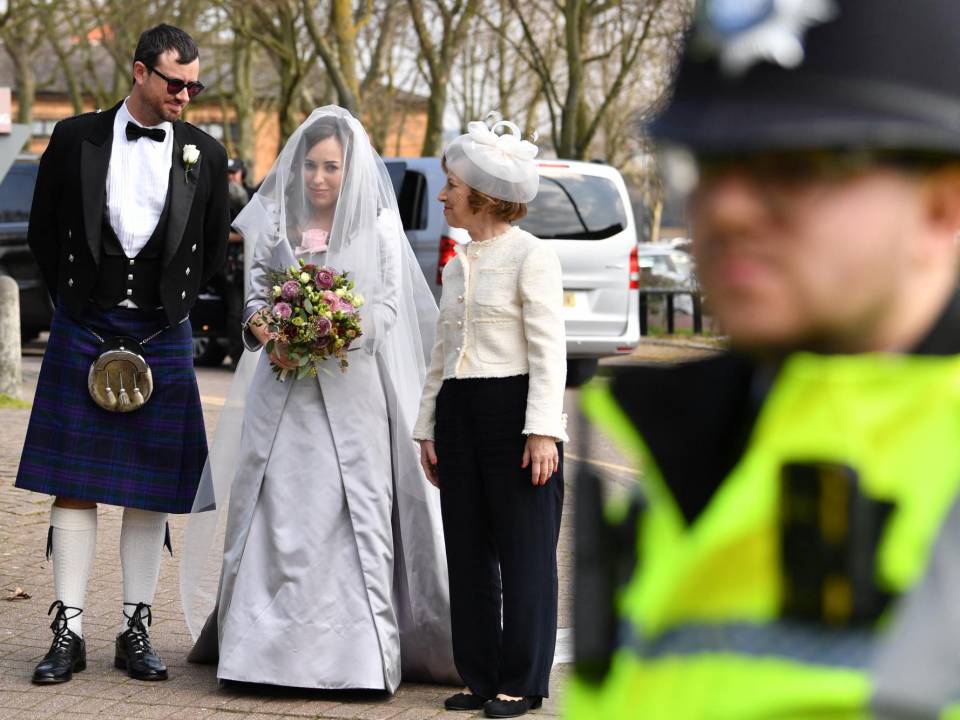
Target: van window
16,193
411,188
571,206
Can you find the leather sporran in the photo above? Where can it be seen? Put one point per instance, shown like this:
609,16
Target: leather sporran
120,379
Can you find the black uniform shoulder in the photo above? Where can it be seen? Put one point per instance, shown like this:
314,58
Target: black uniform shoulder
695,418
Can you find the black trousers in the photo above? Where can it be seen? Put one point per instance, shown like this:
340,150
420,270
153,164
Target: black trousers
501,534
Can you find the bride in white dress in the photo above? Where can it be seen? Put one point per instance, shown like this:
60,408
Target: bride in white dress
333,571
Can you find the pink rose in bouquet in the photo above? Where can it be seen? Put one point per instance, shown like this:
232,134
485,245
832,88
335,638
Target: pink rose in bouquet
290,290
325,278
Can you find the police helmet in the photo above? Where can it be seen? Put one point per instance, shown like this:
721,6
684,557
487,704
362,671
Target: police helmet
782,75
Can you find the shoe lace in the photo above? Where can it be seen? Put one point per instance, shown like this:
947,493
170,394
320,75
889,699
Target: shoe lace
61,637
139,639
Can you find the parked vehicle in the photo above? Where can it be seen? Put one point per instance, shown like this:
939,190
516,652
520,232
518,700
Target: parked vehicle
16,195
584,211
209,321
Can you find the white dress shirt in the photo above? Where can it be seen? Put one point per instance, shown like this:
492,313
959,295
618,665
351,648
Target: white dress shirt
137,182
500,316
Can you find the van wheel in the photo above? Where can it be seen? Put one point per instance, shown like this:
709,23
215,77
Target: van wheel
579,370
207,352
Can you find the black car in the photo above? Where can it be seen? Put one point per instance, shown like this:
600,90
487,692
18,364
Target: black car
16,260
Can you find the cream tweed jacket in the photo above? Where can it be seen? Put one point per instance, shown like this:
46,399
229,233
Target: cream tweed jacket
500,315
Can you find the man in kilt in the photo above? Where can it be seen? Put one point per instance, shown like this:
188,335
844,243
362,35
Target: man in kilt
129,220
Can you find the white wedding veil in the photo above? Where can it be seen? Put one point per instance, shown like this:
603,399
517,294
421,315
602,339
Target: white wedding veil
398,320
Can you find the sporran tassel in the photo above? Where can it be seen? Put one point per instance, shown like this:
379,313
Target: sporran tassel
111,398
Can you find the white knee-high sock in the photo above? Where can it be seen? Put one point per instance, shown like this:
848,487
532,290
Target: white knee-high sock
74,539
141,544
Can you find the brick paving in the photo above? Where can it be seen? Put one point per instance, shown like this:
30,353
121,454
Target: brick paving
192,690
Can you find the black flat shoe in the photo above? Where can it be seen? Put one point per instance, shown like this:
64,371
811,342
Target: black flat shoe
511,708
67,654
464,701
134,652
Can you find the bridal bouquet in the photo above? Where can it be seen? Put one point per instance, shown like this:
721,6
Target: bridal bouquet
316,313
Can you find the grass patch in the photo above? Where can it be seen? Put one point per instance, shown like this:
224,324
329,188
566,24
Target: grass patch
6,401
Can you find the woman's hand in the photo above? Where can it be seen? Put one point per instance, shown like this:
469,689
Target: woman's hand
541,452
280,358
428,459
260,327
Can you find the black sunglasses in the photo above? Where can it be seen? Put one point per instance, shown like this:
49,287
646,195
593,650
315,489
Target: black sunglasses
176,86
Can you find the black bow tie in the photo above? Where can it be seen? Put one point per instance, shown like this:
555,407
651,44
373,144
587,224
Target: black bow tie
135,132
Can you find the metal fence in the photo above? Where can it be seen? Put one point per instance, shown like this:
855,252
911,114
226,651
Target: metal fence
669,295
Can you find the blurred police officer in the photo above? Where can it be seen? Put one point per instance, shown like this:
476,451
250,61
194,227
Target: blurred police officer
798,552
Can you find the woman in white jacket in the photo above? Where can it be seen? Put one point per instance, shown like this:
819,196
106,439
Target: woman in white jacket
491,425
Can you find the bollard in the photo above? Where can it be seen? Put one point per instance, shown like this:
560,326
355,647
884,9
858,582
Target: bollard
10,376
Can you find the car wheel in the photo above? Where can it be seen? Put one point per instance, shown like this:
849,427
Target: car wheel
207,352
579,370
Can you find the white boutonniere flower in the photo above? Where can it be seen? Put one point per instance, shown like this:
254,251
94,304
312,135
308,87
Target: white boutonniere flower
191,156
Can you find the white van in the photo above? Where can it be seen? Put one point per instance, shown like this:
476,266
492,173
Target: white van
584,211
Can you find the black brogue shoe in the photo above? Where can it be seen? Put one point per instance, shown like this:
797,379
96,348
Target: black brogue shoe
134,652
68,652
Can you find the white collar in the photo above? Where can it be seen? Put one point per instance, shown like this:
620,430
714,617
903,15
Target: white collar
124,116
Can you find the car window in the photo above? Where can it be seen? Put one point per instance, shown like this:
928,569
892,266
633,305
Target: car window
571,206
16,193
411,189
396,169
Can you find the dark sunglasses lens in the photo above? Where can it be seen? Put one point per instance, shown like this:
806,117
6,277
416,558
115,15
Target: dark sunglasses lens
175,87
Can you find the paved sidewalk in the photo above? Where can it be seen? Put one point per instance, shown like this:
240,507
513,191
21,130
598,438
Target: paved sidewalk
192,690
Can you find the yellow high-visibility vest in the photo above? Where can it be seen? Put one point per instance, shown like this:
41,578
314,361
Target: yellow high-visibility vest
703,633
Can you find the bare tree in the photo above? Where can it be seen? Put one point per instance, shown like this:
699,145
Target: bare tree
20,31
53,20
357,57
492,75
277,27
388,52
602,42
438,52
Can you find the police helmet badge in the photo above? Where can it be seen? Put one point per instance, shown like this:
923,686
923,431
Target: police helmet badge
741,33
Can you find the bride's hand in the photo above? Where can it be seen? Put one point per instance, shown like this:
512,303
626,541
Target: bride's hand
260,328
258,325
279,357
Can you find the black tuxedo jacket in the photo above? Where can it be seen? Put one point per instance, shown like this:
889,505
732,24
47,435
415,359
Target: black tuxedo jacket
66,217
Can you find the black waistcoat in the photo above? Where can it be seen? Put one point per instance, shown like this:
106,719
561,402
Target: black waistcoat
137,278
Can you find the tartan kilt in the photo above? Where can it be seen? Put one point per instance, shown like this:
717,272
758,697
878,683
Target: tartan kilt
150,458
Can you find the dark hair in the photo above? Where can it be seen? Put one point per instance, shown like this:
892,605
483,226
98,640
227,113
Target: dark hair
505,210
323,129
156,41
